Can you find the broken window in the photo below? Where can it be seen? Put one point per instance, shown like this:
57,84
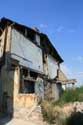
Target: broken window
28,86
27,81
33,75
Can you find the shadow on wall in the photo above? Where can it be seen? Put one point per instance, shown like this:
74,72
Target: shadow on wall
5,120
6,103
75,119
5,113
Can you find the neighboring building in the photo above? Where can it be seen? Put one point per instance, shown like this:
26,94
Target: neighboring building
64,80
28,65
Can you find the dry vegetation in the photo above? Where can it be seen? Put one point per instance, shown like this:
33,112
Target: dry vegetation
53,113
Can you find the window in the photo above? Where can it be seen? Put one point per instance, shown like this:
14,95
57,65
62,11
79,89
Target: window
27,81
28,86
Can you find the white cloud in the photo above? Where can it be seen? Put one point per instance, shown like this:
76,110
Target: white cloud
78,74
60,29
67,71
43,25
80,59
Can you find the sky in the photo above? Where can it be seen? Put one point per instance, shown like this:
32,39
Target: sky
61,20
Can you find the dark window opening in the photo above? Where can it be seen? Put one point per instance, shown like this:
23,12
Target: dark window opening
33,75
31,36
12,67
25,72
27,86
27,81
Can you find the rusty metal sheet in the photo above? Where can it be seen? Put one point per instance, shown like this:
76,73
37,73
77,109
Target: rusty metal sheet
27,53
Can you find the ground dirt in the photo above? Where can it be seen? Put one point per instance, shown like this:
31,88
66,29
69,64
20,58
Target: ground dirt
15,121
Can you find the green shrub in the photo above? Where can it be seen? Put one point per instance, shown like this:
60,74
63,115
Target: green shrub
70,95
51,110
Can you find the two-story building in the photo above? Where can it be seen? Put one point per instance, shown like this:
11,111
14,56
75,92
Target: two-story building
28,65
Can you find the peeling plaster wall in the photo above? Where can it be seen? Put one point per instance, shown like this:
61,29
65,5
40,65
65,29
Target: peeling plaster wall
21,100
9,82
39,88
23,47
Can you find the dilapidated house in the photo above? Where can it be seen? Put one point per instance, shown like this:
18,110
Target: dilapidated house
65,81
28,65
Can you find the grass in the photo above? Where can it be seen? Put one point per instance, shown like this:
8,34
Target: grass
52,114
52,110
70,95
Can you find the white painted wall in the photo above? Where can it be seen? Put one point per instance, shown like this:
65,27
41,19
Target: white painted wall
52,67
27,53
